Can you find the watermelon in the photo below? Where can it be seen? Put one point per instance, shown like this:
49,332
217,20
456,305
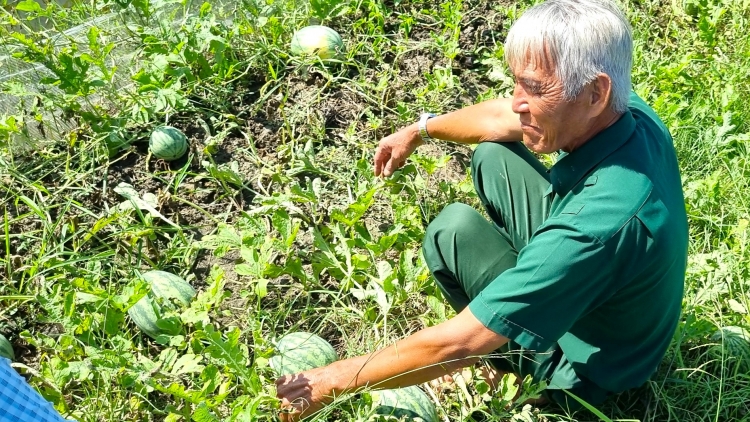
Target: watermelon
301,351
409,403
6,349
317,40
166,288
167,143
733,345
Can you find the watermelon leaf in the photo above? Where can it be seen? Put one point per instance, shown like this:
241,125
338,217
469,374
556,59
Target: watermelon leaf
28,6
188,364
169,325
202,414
229,352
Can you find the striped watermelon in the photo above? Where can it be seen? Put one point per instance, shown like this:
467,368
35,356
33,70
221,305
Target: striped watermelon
301,351
6,349
409,403
167,143
733,345
166,288
317,40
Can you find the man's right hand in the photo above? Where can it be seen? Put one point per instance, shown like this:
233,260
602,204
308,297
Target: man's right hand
492,120
394,149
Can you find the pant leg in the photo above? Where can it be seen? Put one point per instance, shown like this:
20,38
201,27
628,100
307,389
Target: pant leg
512,185
463,250
464,253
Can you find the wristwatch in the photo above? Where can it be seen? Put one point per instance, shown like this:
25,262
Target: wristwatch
423,126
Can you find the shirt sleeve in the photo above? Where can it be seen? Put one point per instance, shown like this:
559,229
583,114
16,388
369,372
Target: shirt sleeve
558,276
20,402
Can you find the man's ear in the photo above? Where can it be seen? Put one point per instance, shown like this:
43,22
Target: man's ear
600,93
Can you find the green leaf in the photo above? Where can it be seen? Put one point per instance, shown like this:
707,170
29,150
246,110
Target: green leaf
170,325
261,288
211,379
131,294
508,387
205,9
188,364
285,226
93,37
113,321
591,408
167,358
178,391
202,414
82,298
229,353
245,269
28,6
69,303
437,306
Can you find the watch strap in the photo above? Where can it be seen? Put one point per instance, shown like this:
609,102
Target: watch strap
423,126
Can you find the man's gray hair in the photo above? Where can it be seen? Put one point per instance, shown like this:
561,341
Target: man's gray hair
582,39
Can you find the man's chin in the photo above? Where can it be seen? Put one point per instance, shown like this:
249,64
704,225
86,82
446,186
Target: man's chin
535,146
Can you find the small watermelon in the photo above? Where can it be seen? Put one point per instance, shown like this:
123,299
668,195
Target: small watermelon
317,40
167,143
733,345
409,403
149,309
301,351
6,349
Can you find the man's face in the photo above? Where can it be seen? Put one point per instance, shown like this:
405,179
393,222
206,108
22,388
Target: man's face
549,123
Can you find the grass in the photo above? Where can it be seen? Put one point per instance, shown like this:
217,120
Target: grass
275,216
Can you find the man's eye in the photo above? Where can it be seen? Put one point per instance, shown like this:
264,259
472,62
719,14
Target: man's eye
533,87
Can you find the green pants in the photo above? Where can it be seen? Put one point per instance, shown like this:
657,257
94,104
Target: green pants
465,252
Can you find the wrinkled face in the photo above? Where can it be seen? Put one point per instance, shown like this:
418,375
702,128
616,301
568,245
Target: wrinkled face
549,123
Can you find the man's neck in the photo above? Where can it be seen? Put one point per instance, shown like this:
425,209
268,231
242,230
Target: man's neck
599,124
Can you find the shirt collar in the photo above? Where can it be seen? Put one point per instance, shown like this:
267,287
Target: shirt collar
570,168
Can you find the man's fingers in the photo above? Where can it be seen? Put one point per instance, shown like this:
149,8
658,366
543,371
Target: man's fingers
388,171
288,410
394,164
292,411
281,381
378,167
376,162
381,156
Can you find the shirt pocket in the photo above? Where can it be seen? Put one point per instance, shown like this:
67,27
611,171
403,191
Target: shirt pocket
573,209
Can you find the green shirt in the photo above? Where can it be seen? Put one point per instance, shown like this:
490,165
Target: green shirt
603,276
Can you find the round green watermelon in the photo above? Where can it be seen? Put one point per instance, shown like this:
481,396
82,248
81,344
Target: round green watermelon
301,351
733,345
167,143
409,403
166,289
317,40
6,349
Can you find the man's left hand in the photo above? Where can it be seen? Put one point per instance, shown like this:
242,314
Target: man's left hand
302,394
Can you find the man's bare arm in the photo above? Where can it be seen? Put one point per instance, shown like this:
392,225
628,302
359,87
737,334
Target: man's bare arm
492,120
421,357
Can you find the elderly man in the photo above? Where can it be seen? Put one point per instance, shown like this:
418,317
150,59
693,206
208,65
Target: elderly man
579,276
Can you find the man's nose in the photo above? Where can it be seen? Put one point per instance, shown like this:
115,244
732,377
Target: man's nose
519,104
